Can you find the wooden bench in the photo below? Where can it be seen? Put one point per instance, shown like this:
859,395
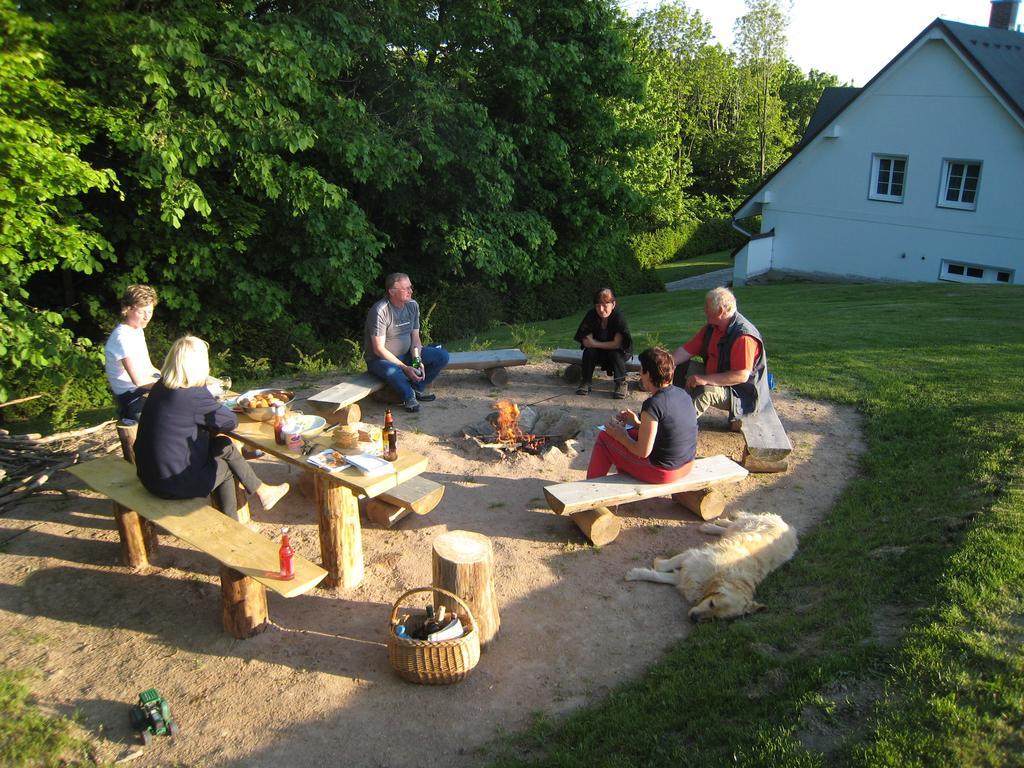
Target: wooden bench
418,495
587,501
249,561
341,399
574,359
768,445
493,362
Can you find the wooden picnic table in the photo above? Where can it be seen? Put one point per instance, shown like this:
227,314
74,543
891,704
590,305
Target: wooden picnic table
337,493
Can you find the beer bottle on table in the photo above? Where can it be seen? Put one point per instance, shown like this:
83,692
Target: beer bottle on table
390,436
285,555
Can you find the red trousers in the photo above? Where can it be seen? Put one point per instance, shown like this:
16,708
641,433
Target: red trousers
609,451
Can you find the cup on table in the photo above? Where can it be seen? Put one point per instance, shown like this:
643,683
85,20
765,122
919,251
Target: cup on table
374,435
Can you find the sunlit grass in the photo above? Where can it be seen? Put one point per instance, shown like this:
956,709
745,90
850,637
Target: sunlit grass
866,658
698,265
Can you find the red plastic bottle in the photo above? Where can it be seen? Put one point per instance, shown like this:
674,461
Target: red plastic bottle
284,555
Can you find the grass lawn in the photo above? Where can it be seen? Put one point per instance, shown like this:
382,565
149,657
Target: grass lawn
698,265
895,635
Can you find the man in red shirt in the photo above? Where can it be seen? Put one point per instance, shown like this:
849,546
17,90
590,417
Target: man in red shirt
734,374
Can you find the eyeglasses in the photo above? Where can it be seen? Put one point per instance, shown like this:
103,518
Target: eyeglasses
604,303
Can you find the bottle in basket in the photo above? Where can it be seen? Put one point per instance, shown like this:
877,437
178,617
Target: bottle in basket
285,555
390,437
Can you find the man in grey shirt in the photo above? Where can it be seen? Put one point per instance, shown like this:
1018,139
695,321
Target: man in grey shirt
392,339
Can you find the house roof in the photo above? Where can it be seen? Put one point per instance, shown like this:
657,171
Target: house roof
996,54
832,102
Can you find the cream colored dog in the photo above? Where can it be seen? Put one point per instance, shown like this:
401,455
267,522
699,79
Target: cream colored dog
720,578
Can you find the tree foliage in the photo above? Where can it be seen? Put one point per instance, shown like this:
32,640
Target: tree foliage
263,164
44,226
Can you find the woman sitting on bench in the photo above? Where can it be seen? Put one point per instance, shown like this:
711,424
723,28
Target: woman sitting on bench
658,446
178,451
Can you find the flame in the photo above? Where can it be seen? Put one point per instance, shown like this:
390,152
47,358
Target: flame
508,422
509,431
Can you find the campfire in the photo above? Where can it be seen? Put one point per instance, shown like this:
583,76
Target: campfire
523,429
510,433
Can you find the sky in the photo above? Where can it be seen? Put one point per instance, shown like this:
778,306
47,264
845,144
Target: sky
852,39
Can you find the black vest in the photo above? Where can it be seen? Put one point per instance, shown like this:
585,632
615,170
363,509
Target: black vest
748,396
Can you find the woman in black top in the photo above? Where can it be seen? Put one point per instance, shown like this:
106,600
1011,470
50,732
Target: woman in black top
659,445
179,453
604,337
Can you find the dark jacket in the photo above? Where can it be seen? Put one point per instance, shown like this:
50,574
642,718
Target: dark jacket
172,447
616,324
751,395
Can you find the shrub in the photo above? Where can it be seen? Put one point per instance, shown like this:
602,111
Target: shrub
661,245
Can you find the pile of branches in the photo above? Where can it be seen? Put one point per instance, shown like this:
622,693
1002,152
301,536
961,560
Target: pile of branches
27,462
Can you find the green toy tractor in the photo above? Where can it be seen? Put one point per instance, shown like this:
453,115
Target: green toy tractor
152,716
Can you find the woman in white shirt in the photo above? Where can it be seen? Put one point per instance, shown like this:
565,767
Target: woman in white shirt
130,372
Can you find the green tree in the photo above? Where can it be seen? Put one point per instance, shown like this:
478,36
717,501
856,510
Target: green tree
761,47
667,44
44,227
800,93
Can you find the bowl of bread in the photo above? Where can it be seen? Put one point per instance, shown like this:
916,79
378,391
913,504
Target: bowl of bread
259,403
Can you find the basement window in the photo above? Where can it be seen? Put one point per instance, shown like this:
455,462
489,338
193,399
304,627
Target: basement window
959,272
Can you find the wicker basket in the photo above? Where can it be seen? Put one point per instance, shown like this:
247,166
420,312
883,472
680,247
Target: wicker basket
434,663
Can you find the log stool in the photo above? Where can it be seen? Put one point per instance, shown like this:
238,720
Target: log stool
463,563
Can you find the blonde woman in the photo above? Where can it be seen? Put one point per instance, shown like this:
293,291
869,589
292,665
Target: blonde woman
179,451
130,373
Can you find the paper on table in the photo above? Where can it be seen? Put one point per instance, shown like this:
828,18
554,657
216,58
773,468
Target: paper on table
369,465
330,460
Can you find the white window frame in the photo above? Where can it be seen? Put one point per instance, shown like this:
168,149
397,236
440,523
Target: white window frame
949,164
989,274
877,161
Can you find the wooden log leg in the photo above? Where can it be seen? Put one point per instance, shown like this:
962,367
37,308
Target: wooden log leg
707,502
126,432
599,525
139,541
134,552
346,414
497,376
463,563
763,465
573,373
384,514
243,604
341,540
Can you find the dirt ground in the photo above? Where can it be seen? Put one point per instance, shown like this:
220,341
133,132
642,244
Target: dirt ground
316,687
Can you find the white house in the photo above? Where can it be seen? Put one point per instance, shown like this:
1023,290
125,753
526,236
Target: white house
917,176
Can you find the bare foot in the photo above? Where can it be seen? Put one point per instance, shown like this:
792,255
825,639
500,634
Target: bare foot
269,495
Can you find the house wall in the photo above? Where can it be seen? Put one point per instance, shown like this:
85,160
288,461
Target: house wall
753,259
929,106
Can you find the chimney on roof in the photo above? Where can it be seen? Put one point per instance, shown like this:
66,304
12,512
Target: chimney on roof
1004,14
